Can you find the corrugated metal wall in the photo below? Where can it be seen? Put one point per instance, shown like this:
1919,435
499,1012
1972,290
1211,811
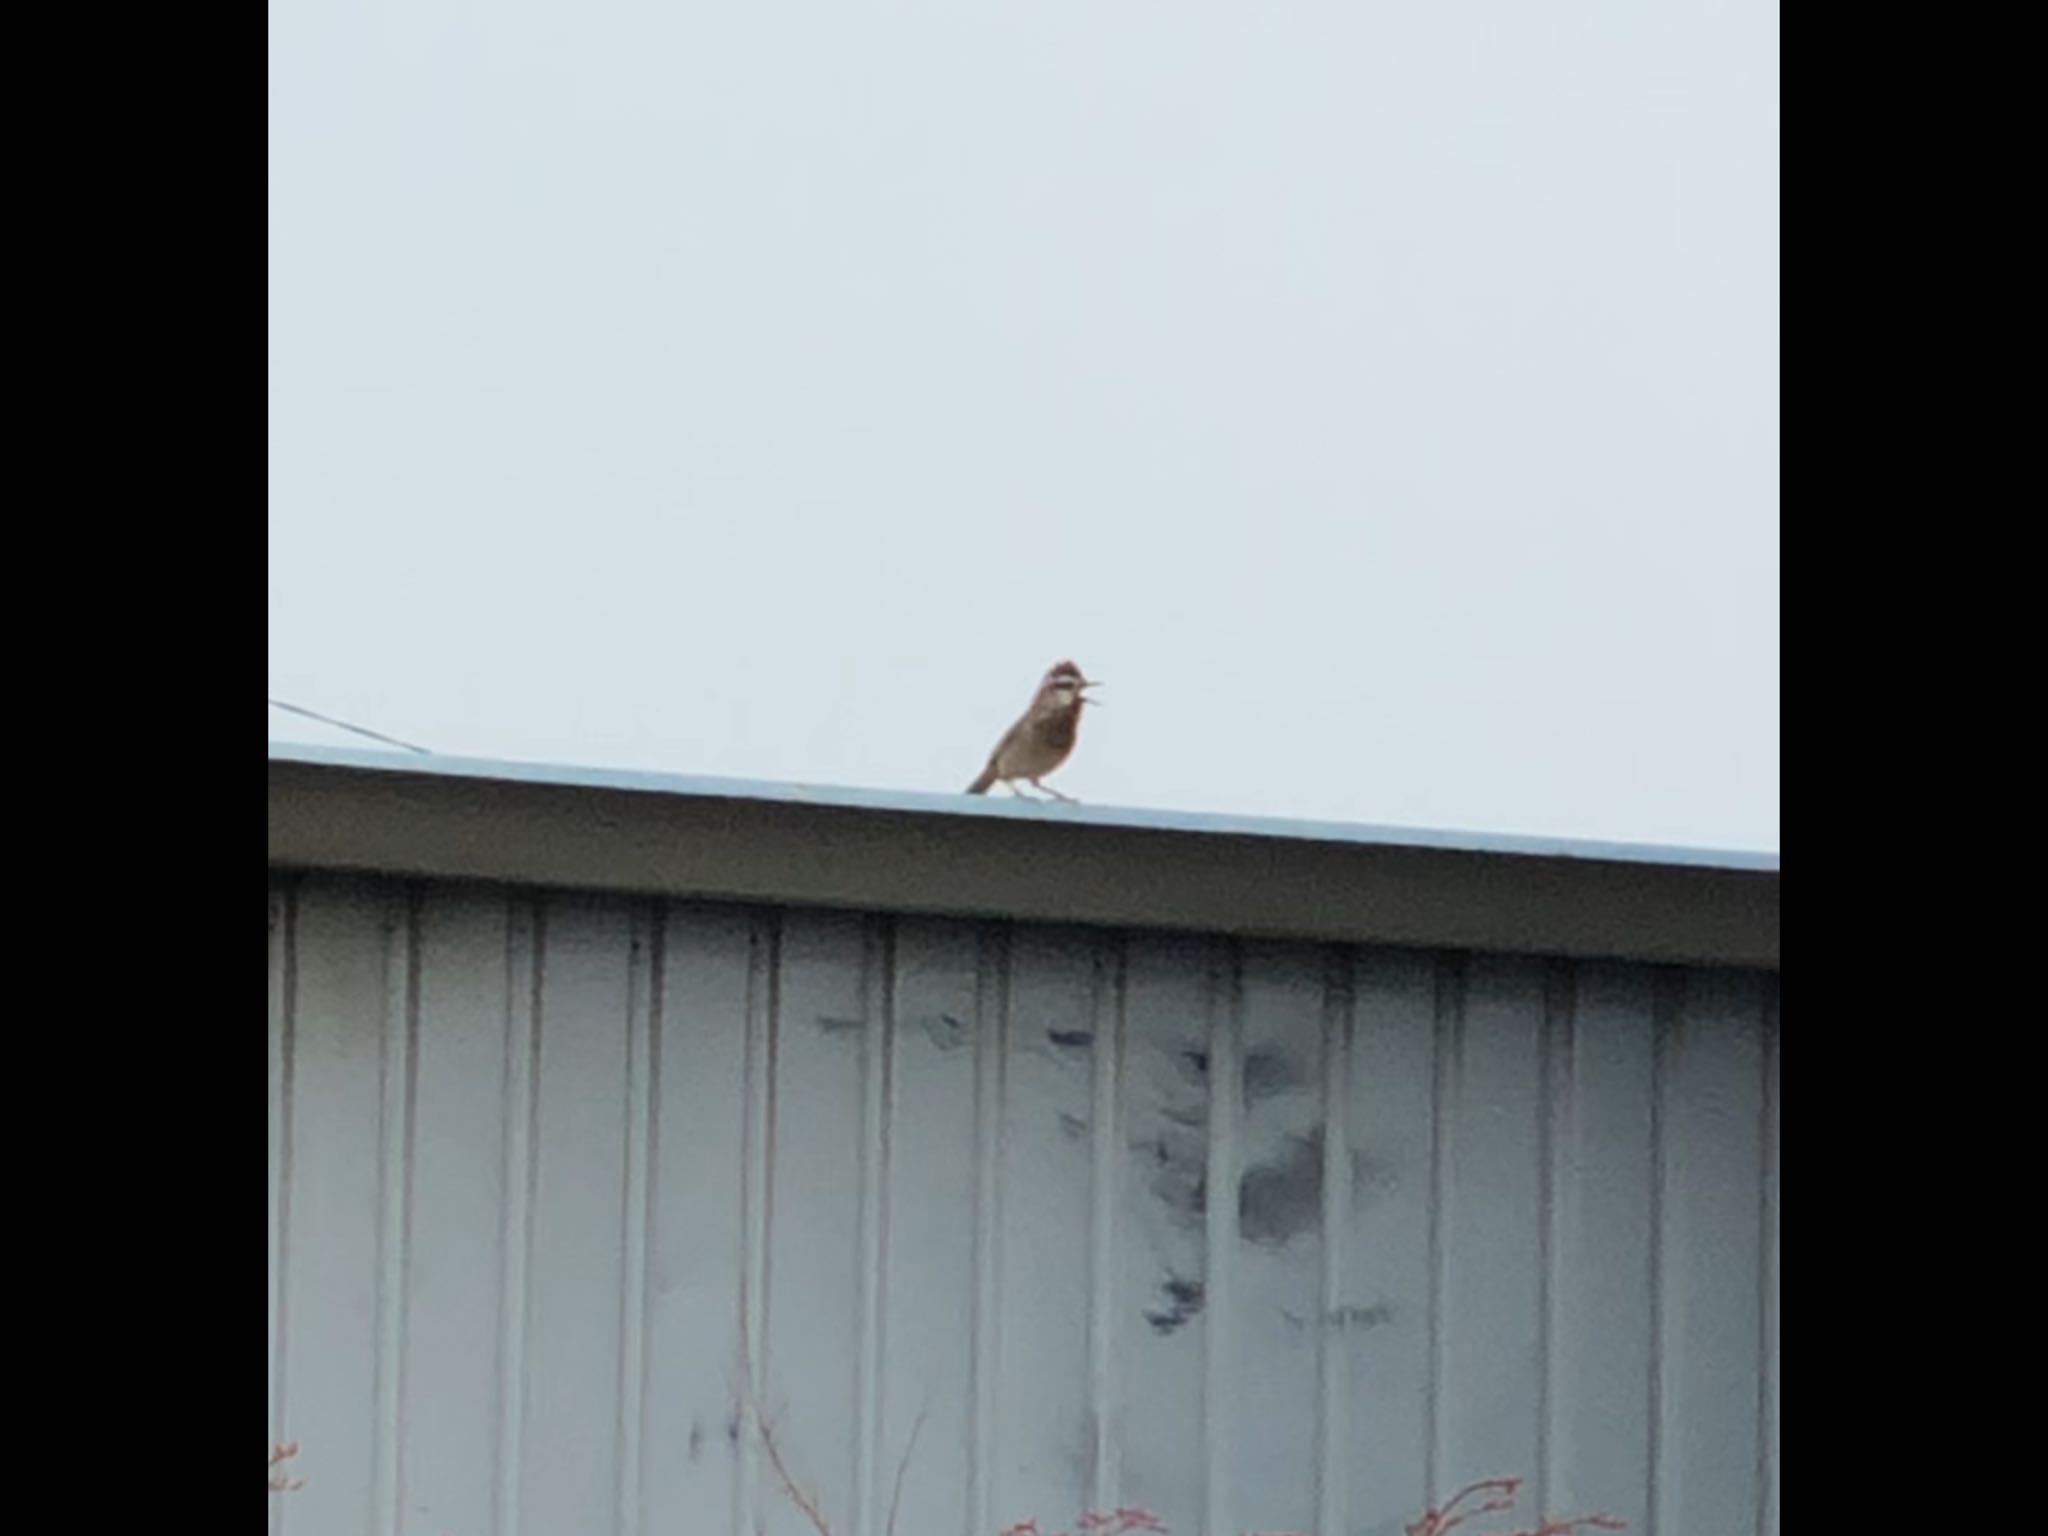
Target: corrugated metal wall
545,1170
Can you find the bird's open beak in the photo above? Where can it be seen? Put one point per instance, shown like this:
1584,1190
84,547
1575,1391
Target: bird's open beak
1091,683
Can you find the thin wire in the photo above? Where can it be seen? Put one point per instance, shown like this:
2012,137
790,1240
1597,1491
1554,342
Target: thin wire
314,714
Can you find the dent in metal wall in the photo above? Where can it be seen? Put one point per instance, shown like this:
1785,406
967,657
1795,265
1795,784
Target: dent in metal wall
557,1183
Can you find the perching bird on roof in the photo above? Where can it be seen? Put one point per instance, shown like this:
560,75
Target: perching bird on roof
1043,736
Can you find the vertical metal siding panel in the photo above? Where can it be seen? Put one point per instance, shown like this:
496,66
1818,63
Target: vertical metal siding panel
1560,996
991,1051
569,1482
1278,1320
810,1352
696,1236
1493,1303
279,1125
1770,1451
1389,1274
1105,1187
1711,1317
1162,1253
1333,1375
878,1012
1048,1074
394,1115
279,1111
523,971
757,1207
1450,1025
1220,1353
455,1265
928,1317
1601,1318
643,1003
331,1273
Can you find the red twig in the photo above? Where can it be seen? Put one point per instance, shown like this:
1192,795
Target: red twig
1490,1497
1581,1523
282,1481
1114,1522
796,1495
752,1406
903,1466
1493,1496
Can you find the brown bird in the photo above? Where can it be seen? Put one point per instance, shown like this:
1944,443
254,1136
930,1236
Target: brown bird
1043,737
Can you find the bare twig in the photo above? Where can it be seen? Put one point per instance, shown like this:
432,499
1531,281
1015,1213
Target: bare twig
1493,1496
1475,1501
1582,1523
1131,1520
903,1466
766,1431
282,1481
796,1495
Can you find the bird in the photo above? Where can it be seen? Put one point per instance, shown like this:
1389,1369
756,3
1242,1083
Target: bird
1043,736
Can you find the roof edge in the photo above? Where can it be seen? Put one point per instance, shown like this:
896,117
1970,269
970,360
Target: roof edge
658,834
638,781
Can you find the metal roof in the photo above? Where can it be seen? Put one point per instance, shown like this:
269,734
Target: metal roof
688,836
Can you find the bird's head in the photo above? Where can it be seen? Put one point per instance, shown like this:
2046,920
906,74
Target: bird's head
1065,686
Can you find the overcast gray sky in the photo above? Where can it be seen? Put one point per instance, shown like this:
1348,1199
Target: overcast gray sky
1383,398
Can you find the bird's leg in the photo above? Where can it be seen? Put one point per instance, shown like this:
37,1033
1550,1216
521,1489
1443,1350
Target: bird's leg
1017,790
1055,793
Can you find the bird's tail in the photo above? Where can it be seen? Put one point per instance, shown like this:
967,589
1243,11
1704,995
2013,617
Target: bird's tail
982,785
